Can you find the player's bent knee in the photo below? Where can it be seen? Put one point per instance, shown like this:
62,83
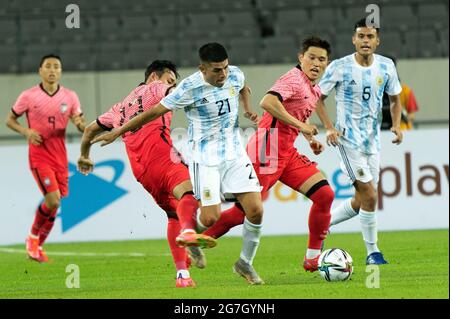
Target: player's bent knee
321,193
53,204
208,221
255,214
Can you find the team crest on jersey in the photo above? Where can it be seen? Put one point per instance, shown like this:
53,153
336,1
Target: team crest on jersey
63,108
379,80
360,172
47,181
207,194
232,91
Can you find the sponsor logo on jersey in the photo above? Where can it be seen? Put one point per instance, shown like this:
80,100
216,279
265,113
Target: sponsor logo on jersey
204,101
352,82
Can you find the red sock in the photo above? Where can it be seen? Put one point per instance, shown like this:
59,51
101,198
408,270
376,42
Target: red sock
178,253
319,216
228,219
41,216
46,228
186,211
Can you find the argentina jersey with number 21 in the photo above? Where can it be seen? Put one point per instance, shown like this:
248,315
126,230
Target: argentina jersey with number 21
212,112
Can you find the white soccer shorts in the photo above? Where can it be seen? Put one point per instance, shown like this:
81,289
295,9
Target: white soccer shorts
235,176
359,166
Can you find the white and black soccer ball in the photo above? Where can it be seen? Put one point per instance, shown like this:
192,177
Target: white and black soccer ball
335,264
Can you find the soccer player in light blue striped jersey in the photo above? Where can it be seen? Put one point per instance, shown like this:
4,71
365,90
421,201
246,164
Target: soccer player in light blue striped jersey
360,80
218,162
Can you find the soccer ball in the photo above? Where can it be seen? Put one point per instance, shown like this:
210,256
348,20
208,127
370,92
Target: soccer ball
335,264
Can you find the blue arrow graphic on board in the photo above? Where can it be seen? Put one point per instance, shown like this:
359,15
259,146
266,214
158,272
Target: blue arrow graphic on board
89,194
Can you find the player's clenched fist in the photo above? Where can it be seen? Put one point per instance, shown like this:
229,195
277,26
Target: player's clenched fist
85,165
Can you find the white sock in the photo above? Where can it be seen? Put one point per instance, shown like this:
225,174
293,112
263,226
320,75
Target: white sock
342,212
34,236
183,273
312,253
251,234
200,227
369,230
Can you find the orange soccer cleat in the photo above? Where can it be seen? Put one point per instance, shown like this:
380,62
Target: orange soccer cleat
191,238
32,247
42,256
185,282
312,264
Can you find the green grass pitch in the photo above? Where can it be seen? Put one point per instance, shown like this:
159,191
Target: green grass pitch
418,269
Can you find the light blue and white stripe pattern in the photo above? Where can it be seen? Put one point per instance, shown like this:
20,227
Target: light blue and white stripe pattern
212,113
359,98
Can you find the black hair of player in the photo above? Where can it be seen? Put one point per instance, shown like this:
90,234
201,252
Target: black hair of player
49,56
314,41
160,66
212,52
363,24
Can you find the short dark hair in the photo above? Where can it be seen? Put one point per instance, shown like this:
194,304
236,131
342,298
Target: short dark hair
48,56
314,41
363,24
160,66
212,52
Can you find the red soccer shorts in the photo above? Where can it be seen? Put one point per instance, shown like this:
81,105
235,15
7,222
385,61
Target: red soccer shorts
161,177
292,171
50,180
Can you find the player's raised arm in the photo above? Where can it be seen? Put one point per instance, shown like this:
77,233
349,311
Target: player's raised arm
271,104
31,135
135,123
332,133
85,164
396,113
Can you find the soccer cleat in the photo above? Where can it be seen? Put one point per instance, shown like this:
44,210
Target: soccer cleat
191,238
185,282
376,258
312,264
42,256
32,246
248,272
197,256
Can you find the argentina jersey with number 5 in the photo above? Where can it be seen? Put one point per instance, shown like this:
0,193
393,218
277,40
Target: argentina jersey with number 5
359,98
212,112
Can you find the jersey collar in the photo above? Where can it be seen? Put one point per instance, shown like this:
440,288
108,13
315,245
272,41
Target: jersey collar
302,74
51,95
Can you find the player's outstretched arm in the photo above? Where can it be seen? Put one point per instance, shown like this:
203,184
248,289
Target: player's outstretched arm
271,104
396,113
135,123
332,133
31,135
85,164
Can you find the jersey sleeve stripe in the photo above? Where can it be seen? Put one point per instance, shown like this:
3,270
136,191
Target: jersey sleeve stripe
278,95
15,113
103,126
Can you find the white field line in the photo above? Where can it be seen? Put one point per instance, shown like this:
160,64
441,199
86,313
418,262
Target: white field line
83,254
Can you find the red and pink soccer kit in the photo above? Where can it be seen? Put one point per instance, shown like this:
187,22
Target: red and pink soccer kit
154,161
48,115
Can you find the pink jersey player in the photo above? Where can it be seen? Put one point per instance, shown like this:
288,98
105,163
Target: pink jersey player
48,108
156,164
288,105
